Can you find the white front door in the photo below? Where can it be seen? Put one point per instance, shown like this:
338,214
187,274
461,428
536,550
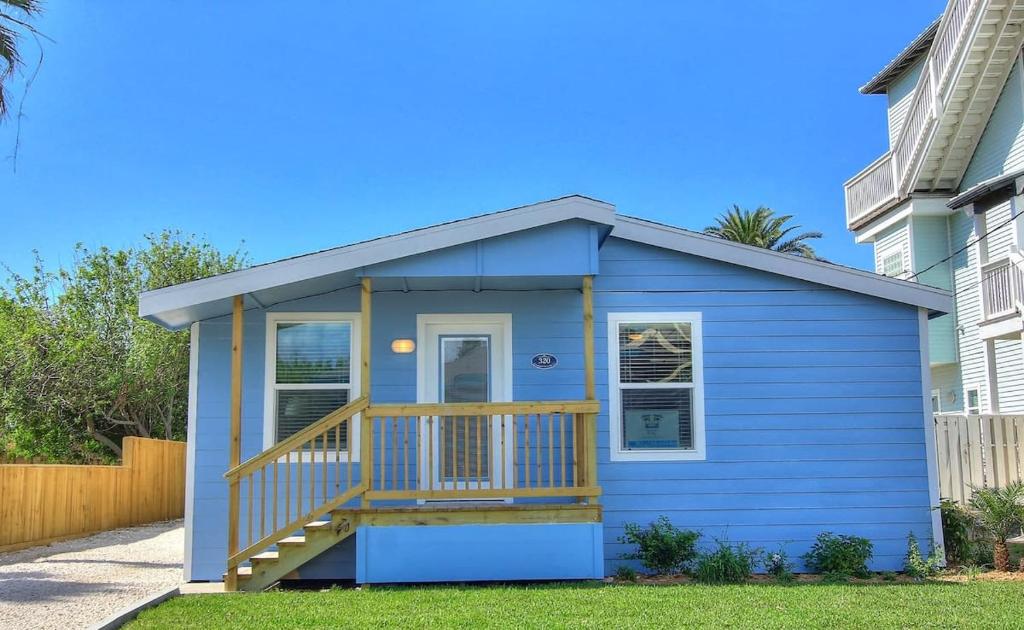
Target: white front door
464,359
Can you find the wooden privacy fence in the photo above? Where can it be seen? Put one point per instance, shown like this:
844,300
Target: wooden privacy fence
980,451
40,503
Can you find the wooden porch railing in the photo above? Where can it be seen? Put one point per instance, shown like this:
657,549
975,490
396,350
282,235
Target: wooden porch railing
425,451
481,450
294,482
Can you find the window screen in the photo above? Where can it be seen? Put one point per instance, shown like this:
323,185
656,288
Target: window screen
312,374
656,385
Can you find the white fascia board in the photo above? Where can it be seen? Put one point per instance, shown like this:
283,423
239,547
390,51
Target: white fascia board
868,234
827,274
154,303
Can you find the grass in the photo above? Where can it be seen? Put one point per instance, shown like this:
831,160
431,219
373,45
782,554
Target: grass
929,604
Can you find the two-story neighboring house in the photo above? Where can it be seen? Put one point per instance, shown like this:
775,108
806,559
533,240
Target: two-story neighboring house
942,205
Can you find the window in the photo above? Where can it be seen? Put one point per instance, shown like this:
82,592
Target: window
936,401
656,395
972,401
892,264
310,371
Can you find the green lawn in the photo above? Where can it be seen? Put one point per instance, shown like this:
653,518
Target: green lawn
978,604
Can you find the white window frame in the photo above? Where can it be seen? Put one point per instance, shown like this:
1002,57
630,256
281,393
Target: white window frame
618,453
270,386
967,400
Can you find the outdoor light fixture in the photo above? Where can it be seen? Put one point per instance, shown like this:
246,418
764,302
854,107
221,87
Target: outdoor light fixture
403,346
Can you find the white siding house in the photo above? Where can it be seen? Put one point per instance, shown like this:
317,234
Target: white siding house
940,207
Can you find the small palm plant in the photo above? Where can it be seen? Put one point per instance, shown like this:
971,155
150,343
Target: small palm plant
1000,512
762,228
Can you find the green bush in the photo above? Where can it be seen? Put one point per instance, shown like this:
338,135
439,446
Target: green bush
957,525
727,564
777,564
625,573
840,554
917,566
661,547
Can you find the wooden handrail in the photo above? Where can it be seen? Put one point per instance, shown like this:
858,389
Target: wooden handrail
482,409
299,438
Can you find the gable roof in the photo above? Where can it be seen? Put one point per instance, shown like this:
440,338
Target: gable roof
178,305
892,70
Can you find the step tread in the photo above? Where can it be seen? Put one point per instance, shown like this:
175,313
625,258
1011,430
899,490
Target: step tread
244,572
292,540
265,556
318,525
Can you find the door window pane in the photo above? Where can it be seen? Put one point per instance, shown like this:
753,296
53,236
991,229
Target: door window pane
465,377
465,373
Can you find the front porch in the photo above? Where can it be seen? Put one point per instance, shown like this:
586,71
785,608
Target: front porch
372,468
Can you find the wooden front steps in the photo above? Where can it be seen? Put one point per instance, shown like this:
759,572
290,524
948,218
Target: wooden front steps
269,567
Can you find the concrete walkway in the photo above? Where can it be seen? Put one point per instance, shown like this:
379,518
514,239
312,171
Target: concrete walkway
80,582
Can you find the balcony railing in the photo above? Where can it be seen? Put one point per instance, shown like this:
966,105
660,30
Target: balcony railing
891,177
1002,282
870,190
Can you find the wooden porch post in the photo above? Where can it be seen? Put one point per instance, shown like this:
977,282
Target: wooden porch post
231,582
590,420
366,423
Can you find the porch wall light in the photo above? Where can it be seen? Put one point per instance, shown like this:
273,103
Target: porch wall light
403,346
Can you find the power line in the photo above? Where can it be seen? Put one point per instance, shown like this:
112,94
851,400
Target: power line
967,246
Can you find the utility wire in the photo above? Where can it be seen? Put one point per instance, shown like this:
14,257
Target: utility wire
967,246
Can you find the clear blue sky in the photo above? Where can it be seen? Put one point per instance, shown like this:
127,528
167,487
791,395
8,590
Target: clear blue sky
296,127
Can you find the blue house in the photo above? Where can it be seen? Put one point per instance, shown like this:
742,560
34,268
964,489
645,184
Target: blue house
493,398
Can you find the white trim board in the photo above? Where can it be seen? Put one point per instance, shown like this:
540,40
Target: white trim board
190,446
929,430
170,306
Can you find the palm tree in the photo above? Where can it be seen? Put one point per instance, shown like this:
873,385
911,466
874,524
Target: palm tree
14,16
1000,512
761,228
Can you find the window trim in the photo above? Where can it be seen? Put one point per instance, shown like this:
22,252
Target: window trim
270,372
967,400
618,453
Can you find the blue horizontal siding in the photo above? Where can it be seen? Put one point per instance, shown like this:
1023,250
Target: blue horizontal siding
814,413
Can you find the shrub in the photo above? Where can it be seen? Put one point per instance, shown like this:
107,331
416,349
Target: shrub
839,554
777,564
918,566
625,573
1000,513
727,564
661,547
957,524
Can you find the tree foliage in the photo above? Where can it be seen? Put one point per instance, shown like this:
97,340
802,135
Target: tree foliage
14,20
762,228
1000,513
79,369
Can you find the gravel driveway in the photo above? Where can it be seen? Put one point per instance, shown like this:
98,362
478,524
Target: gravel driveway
80,582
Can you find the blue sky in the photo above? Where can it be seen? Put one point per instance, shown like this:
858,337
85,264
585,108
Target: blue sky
296,129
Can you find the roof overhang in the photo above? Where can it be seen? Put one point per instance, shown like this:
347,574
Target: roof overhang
979,191
819,272
339,269
892,70
179,305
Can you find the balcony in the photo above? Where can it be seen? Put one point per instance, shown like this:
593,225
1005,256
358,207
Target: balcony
870,192
916,159
1002,298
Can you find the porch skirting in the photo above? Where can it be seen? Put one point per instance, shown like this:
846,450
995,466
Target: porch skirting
479,552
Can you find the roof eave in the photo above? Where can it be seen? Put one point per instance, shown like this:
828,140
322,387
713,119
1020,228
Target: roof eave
919,46
819,272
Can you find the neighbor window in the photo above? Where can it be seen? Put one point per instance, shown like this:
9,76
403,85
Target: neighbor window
892,264
656,395
309,372
972,401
